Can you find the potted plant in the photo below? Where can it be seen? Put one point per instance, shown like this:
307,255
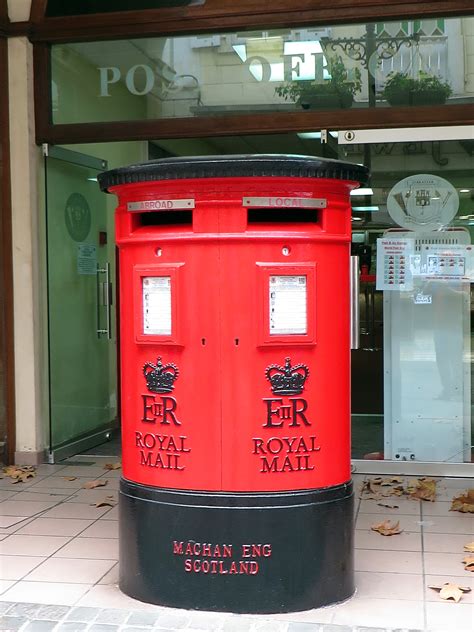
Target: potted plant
336,92
424,89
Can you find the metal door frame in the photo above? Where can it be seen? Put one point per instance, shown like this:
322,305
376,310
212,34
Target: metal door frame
82,443
400,135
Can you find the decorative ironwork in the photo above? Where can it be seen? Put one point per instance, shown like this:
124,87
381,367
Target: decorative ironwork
361,49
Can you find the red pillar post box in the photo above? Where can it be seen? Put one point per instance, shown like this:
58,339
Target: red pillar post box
234,281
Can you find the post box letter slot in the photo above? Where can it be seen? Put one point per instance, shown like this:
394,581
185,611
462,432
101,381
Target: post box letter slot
282,215
156,293
164,218
288,305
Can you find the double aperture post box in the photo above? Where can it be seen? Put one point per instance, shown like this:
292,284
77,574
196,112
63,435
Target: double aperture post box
235,370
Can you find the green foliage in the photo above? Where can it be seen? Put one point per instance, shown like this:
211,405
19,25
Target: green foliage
401,82
338,84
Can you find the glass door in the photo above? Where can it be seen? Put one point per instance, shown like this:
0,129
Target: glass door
413,229
81,320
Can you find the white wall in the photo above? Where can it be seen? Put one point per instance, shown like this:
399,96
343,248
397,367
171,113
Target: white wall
19,10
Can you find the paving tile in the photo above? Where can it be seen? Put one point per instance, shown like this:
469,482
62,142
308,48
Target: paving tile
445,542
404,507
40,626
71,626
83,614
439,563
90,471
60,482
209,621
108,596
409,523
55,526
89,496
76,510
14,567
24,507
28,610
112,616
378,612
10,624
102,627
41,496
442,508
52,612
11,521
442,524
142,619
44,592
74,571
389,585
5,584
305,627
111,515
443,617
33,545
6,606
102,529
5,494
112,577
91,548
389,561
405,541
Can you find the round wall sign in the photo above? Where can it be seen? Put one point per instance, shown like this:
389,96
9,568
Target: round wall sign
423,203
77,215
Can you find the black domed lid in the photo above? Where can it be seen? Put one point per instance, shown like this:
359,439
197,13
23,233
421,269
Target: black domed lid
281,165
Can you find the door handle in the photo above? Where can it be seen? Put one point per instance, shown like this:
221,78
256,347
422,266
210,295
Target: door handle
355,314
104,299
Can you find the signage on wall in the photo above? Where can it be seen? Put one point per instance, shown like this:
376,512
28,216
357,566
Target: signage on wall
86,259
394,260
423,203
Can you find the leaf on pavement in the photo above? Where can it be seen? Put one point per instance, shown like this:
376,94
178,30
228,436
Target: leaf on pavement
112,466
451,591
468,562
94,484
469,547
423,489
20,474
103,503
386,528
388,506
69,478
463,503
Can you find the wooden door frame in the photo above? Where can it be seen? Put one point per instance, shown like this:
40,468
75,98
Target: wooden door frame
6,261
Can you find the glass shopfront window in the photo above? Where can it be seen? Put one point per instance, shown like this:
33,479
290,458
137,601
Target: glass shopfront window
417,62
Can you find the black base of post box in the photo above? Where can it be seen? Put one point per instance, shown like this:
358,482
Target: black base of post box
244,553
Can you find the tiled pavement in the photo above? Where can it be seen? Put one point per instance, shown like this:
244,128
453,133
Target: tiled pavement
58,565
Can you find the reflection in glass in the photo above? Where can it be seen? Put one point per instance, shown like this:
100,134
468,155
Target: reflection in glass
417,62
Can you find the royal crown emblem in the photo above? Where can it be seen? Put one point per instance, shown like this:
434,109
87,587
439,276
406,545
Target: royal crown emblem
287,380
160,378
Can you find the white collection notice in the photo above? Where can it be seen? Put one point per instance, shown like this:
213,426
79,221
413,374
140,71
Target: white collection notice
157,306
288,305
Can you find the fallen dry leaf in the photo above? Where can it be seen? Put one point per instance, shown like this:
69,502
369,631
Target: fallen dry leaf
94,484
112,466
469,547
423,489
388,506
69,478
463,503
451,591
20,474
468,562
386,528
103,503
